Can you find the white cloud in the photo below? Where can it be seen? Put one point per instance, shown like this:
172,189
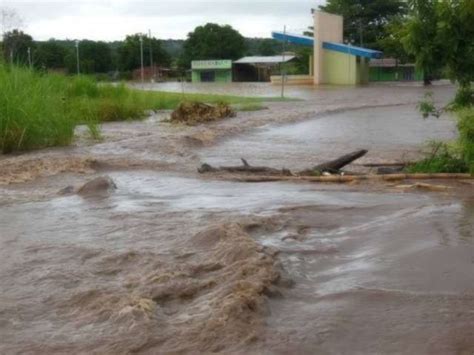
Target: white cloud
112,20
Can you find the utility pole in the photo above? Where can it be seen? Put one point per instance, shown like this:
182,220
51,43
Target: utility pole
151,56
29,58
77,58
350,42
282,64
4,15
141,59
361,34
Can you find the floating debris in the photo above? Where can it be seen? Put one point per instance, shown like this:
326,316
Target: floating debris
192,113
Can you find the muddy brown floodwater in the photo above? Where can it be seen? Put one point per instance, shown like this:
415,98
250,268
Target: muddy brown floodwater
173,262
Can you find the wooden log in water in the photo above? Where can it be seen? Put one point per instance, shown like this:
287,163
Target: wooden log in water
332,166
350,178
244,168
337,164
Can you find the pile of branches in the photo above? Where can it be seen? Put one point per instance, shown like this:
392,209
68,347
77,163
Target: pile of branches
192,113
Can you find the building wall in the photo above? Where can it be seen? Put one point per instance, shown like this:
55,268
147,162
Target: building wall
344,69
221,76
339,68
327,28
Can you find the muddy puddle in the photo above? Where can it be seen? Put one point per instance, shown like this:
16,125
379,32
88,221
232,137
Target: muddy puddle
391,133
176,264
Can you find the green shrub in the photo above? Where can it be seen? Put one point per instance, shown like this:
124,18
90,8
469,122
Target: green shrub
458,158
82,86
444,160
428,108
466,136
464,98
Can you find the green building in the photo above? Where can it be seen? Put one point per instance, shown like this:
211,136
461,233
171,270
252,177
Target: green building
389,69
219,71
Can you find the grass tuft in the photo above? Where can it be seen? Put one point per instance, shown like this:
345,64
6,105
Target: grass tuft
250,106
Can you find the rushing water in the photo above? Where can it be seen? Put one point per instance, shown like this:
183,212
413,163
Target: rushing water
177,263
361,262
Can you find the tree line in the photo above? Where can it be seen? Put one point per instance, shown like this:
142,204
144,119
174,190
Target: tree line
436,34
94,56
210,41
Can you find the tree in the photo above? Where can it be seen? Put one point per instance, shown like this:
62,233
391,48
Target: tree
212,41
94,57
303,55
364,20
129,57
50,54
455,38
268,46
15,46
440,34
421,37
392,41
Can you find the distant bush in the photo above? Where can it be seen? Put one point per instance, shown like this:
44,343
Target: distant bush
455,158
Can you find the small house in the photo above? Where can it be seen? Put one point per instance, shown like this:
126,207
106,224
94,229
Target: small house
210,71
259,68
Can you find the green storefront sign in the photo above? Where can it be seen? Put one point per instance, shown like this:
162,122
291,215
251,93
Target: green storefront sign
211,71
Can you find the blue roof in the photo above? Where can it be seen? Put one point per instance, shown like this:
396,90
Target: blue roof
337,47
353,50
293,38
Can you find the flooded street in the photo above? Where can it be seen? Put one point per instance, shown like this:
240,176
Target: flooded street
303,92
175,262
389,133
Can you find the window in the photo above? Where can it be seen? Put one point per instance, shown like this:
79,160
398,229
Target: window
208,76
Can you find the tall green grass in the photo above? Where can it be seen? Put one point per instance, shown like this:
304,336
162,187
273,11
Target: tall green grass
41,110
33,112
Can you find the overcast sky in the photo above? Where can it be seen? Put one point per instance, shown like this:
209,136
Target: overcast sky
113,19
